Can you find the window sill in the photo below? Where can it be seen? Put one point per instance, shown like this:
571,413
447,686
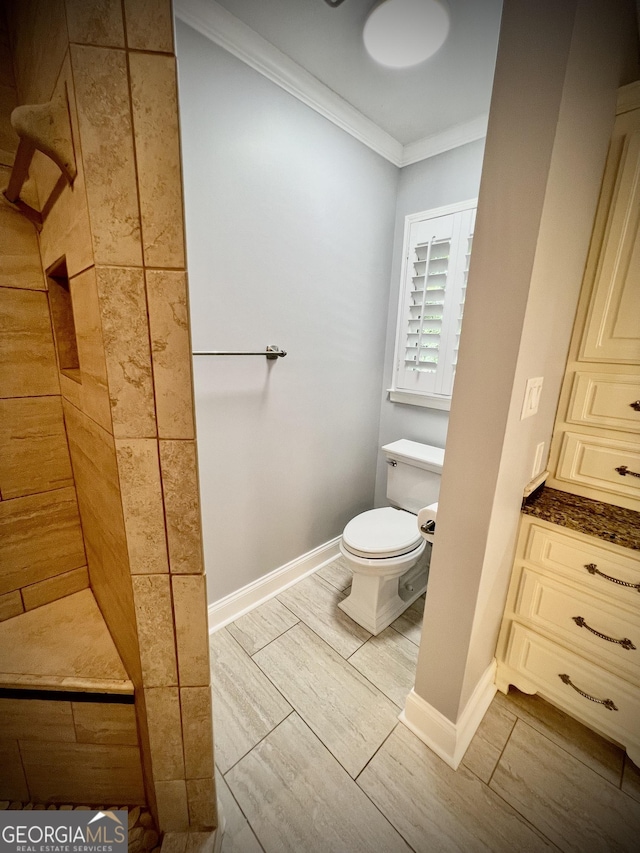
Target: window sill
427,401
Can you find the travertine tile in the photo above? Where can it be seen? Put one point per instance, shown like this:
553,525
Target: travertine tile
573,805
192,629
349,715
13,785
64,773
40,536
98,22
19,253
336,573
182,505
174,842
262,625
154,620
34,456
315,603
197,731
102,95
201,799
157,139
436,808
141,490
489,740
66,229
583,743
149,25
36,719
91,354
173,813
313,804
201,842
165,733
27,357
44,643
10,605
171,350
246,706
101,722
126,344
388,661
238,836
93,458
39,39
54,588
631,779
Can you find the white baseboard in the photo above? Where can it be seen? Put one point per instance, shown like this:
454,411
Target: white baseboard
450,740
238,603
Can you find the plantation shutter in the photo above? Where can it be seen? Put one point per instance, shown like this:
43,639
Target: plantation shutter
434,290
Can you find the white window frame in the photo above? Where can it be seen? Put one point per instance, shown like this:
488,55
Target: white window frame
397,393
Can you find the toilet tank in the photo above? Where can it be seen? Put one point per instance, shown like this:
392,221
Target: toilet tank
413,473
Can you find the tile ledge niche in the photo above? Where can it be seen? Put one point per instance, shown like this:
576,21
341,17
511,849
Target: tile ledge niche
62,646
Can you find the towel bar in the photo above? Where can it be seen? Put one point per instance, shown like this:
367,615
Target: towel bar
271,352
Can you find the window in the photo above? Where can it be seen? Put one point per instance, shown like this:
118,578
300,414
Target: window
437,249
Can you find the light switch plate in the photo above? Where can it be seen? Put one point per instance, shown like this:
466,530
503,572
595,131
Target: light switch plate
531,397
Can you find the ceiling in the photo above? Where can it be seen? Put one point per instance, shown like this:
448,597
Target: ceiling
451,89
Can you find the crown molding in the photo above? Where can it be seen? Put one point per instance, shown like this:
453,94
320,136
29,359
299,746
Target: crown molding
453,137
224,29
221,27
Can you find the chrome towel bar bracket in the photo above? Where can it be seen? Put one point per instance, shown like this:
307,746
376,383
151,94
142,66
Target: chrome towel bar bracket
271,352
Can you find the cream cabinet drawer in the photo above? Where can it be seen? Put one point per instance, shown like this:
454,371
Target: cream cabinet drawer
600,463
595,568
600,699
606,400
605,632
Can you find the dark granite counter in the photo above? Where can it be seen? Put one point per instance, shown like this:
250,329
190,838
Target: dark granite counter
611,523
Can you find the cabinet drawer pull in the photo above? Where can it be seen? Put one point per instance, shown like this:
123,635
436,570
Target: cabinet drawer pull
608,703
623,471
593,570
635,405
626,643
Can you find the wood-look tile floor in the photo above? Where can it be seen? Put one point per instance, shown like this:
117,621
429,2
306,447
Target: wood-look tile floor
311,757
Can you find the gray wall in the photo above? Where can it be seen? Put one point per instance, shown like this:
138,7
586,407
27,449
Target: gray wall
446,179
290,235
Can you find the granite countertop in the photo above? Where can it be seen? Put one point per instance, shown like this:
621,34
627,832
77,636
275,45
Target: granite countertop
611,523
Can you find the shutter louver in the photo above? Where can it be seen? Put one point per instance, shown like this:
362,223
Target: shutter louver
433,300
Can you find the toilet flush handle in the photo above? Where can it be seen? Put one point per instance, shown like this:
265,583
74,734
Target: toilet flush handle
392,462
428,526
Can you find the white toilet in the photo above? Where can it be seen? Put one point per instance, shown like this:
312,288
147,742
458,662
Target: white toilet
383,547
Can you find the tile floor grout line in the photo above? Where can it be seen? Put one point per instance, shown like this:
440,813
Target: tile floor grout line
535,829
229,769
374,804
566,751
306,722
272,640
240,809
354,779
488,783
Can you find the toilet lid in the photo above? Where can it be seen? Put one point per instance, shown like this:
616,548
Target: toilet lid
385,532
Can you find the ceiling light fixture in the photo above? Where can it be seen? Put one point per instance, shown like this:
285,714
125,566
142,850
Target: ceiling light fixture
401,33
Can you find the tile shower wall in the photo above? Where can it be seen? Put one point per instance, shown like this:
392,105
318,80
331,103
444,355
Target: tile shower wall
129,420
42,555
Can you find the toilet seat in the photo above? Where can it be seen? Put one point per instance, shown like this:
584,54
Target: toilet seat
382,533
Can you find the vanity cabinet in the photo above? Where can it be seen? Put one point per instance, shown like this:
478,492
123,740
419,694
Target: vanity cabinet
571,628
595,451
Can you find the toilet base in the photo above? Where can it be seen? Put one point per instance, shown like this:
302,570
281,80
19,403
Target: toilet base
375,602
